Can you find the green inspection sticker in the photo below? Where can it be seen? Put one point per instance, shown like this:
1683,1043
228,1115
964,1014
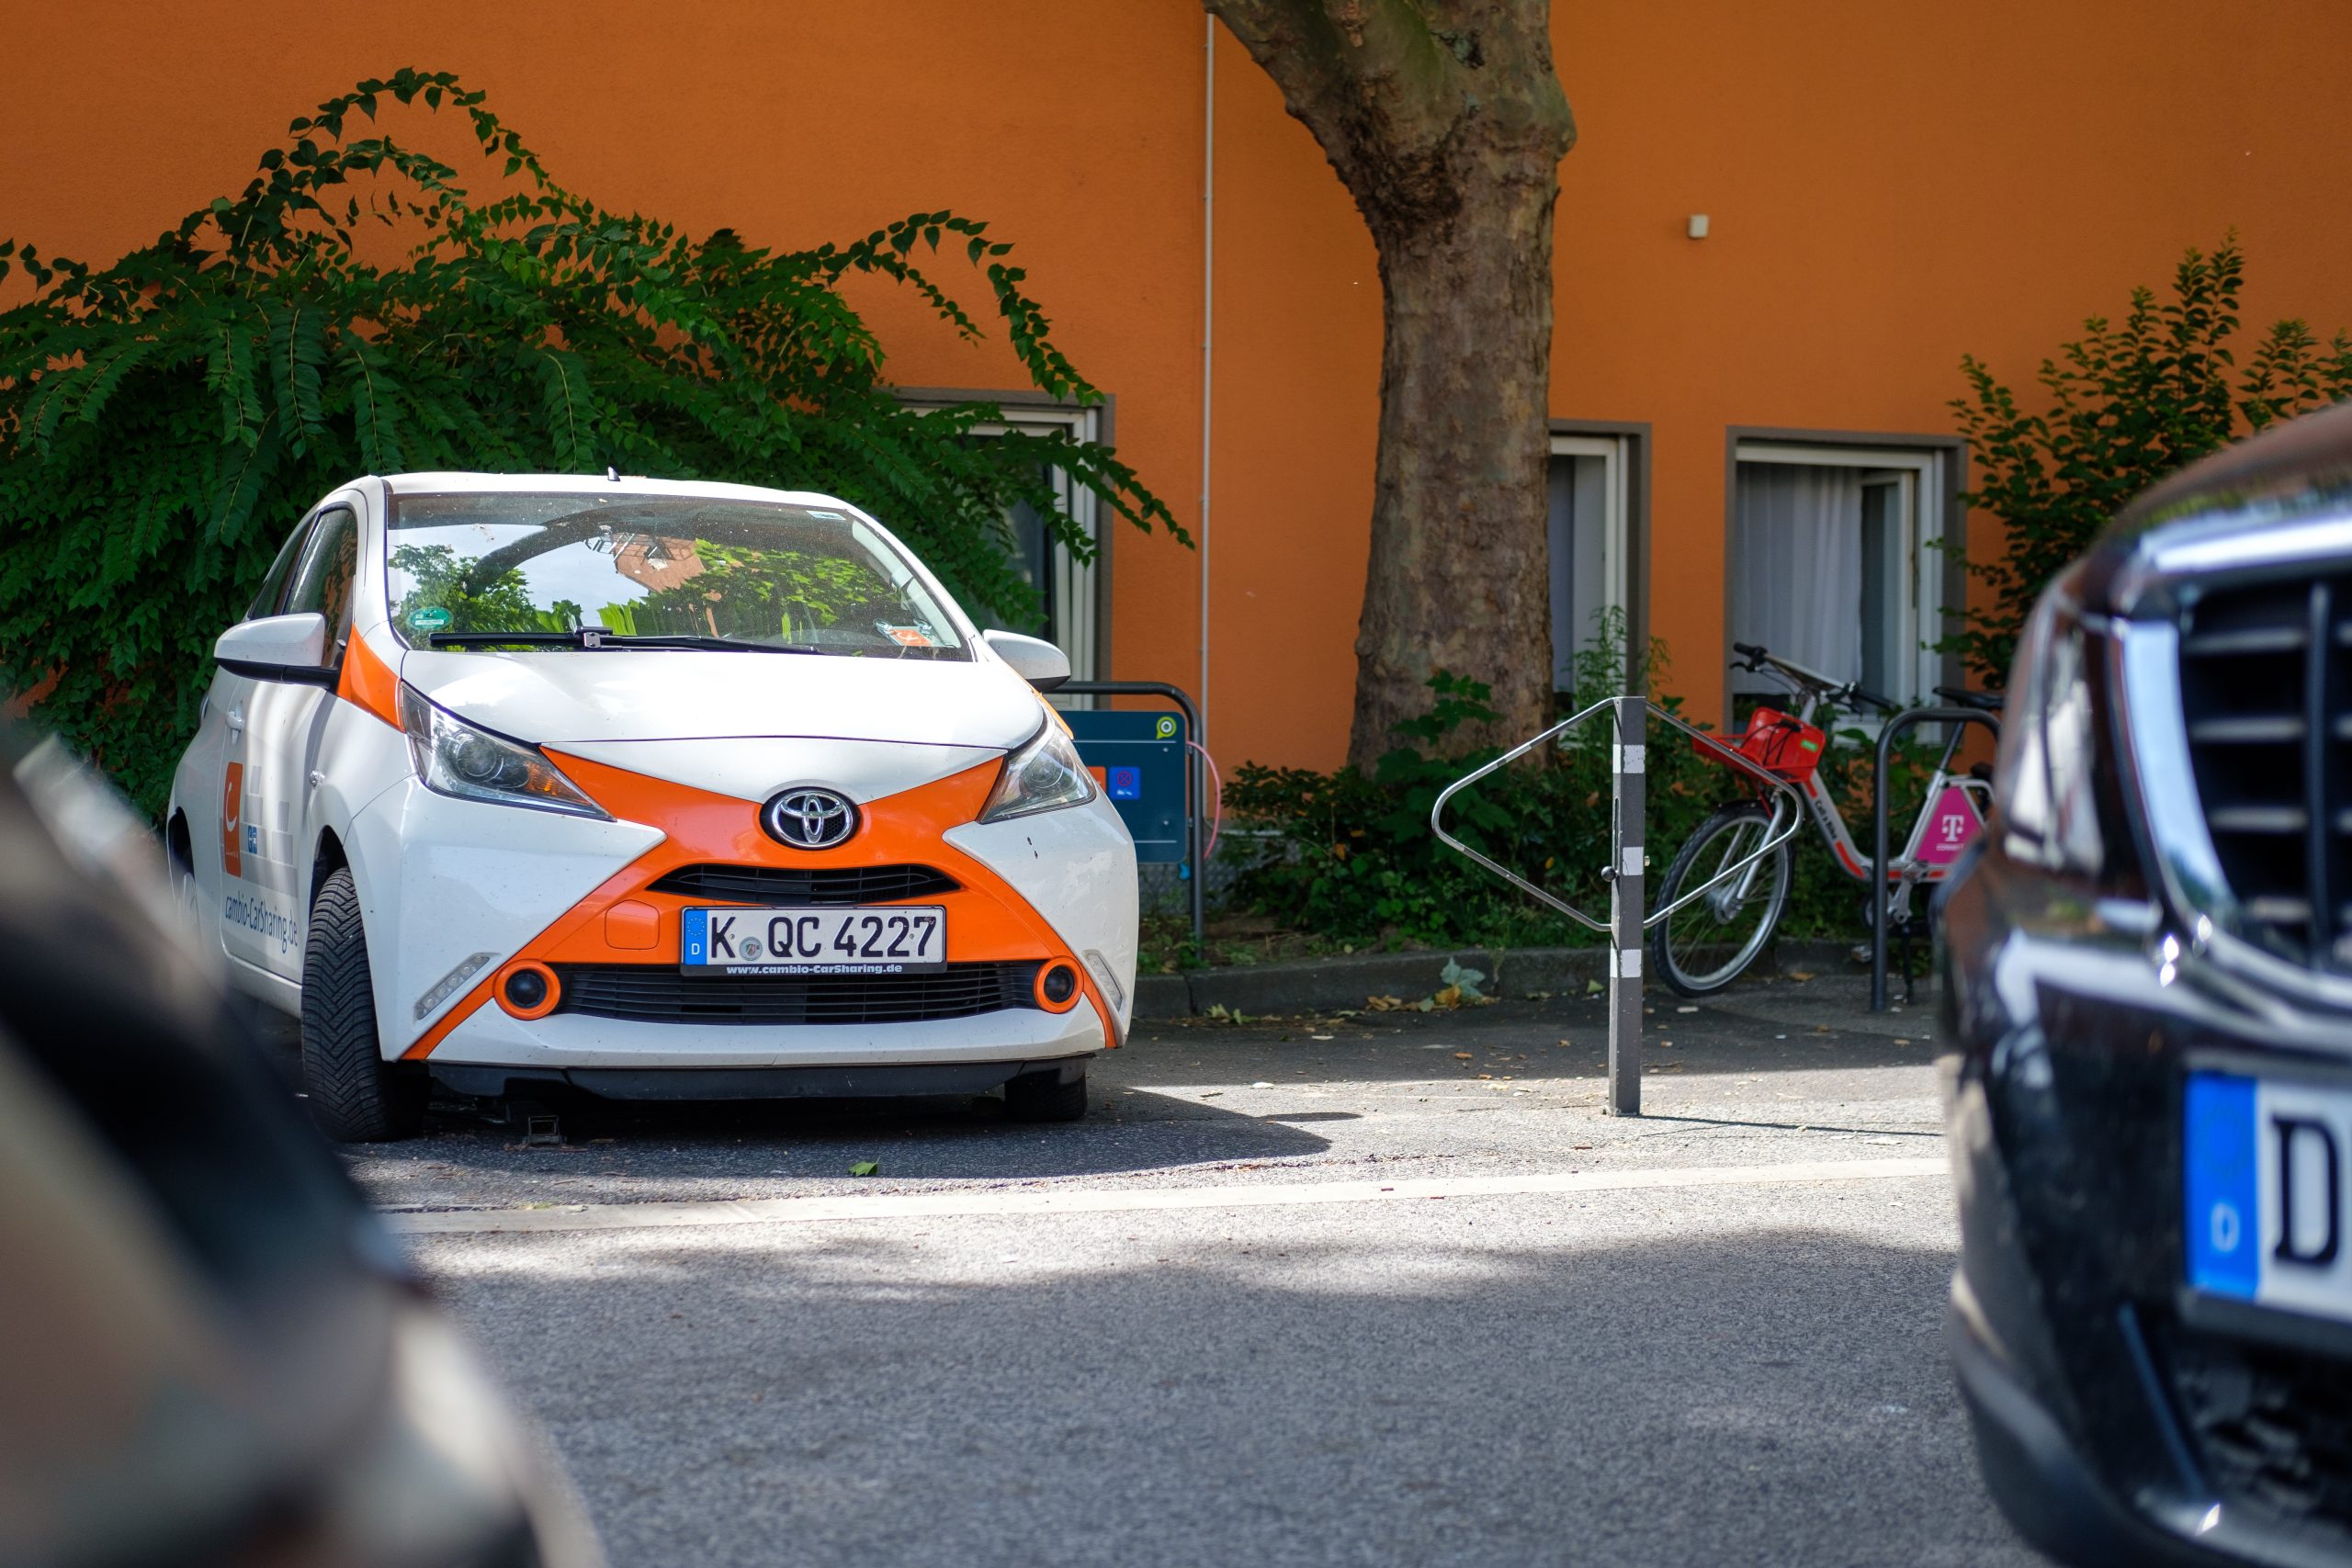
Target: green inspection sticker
428,618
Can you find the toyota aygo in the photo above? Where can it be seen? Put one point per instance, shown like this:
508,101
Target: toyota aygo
657,790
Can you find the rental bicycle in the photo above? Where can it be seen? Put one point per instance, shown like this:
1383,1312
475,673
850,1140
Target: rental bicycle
1711,940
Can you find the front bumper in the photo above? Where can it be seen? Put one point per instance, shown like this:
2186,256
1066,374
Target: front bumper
892,1081
2111,1403
2043,1481
456,894
571,1041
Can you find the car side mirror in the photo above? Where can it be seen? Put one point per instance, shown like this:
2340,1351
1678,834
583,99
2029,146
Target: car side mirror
1034,660
278,648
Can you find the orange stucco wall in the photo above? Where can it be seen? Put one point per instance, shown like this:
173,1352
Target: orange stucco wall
1888,186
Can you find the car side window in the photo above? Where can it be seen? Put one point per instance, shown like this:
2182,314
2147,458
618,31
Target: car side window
323,581
273,585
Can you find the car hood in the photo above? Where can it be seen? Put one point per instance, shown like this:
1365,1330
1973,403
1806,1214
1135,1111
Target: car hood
2277,503
574,697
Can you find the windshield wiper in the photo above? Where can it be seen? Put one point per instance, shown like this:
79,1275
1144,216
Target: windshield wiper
597,637
714,643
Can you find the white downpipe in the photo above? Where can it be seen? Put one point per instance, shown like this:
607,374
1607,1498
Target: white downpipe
1208,336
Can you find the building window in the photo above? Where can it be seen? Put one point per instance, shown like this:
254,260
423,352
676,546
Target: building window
1836,562
1586,521
1066,586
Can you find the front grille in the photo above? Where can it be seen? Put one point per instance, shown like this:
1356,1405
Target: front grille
2263,688
2271,1427
656,993
806,885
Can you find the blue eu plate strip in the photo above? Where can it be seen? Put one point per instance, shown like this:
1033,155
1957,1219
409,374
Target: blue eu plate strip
2222,1222
694,925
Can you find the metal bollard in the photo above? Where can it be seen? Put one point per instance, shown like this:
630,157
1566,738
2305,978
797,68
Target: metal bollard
1628,918
1626,759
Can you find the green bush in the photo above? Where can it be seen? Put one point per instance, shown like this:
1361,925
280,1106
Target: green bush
2130,403
163,421
1351,857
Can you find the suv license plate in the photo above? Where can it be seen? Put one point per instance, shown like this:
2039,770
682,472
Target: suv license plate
899,939
2264,1164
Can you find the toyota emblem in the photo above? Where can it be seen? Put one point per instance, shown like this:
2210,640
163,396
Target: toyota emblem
808,819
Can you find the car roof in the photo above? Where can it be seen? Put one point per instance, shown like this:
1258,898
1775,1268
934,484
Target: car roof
455,482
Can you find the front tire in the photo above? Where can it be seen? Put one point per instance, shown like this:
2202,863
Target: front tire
355,1095
1044,1097
1708,945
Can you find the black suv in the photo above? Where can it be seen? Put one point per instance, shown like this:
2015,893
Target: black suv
2147,1033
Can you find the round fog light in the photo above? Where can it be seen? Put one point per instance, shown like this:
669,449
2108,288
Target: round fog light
1058,987
527,990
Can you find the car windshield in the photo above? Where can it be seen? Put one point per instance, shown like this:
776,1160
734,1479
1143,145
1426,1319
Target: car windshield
810,579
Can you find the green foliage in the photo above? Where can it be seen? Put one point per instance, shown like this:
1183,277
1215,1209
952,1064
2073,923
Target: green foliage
1354,859
2129,402
166,420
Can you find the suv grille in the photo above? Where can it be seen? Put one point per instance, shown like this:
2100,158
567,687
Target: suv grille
805,884
2272,1427
657,993
2265,688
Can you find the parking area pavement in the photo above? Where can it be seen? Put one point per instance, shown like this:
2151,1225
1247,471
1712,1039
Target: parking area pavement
1375,1289
1785,1069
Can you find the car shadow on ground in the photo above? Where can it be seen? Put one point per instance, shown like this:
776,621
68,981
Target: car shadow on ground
608,1151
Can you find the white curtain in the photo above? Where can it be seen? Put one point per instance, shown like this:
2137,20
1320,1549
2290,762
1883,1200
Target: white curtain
1797,566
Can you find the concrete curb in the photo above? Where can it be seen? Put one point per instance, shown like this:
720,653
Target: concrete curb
1345,980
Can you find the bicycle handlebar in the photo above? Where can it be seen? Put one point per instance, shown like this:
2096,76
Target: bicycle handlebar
1848,691
1883,705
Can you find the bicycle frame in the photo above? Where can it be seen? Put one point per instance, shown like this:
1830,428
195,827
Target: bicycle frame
1913,866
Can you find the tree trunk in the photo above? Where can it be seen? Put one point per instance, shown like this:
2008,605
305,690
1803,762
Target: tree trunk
1447,124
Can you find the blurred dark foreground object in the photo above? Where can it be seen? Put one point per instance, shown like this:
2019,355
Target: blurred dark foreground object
210,1350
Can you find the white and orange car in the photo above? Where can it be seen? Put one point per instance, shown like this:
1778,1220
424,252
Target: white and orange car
654,789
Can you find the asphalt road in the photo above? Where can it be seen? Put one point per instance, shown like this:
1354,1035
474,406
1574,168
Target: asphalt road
1396,1296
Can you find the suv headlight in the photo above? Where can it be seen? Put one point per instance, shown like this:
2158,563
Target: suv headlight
1042,774
2045,782
453,758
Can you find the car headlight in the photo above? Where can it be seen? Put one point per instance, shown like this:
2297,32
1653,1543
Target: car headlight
454,757
1042,774
2045,782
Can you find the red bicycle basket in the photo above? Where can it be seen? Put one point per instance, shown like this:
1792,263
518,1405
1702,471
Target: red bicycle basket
1777,744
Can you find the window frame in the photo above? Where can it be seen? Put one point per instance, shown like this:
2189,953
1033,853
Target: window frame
1613,451
1629,524
1082,607
1938,468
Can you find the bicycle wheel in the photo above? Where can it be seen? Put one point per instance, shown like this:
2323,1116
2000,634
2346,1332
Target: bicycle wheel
1707,943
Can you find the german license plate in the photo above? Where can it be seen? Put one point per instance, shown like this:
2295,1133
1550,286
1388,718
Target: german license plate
2265,1162
899,939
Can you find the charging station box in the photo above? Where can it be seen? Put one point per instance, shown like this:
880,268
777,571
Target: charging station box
1138,760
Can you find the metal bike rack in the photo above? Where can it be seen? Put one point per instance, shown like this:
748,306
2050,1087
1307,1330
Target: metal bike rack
1624,872
1907,720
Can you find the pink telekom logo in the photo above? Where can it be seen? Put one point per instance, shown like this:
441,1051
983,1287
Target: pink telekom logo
1951,826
